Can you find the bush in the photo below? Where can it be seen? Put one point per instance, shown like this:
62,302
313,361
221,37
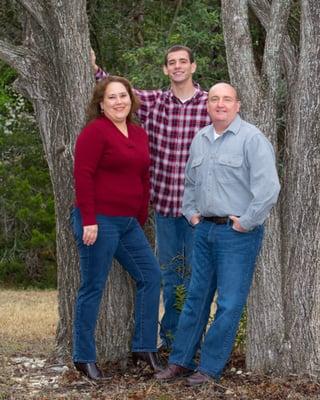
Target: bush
27,234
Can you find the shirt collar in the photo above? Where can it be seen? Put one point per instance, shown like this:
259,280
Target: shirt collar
235,125
198,92
234,128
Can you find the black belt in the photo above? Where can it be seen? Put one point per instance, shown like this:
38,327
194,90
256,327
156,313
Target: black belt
217,220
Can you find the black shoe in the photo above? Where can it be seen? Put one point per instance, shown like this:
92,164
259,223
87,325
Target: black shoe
149,358
90,370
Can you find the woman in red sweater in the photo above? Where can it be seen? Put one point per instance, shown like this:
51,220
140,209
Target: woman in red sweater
111,173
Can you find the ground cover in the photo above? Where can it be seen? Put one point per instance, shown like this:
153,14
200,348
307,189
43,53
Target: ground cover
30,370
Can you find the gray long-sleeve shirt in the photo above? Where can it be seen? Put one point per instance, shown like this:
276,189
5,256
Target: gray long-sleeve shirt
232,175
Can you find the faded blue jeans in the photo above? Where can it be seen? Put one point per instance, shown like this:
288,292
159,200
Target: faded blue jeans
223,261
174,236
123,239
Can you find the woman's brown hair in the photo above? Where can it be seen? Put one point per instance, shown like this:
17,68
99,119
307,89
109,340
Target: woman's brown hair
94,109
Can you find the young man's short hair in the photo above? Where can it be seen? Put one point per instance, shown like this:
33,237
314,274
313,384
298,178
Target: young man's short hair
178,47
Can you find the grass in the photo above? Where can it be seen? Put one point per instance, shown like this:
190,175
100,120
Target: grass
28,320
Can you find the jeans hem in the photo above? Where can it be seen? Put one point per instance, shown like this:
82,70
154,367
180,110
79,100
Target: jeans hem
191,366
84,361
210,373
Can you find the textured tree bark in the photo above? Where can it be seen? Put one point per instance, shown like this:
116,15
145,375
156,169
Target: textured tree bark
284,312
54,72
302,193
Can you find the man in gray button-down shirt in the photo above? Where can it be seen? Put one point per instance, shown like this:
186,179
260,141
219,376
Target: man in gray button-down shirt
231,186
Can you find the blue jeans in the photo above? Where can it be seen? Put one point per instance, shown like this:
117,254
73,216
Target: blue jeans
223,261
174,237
123,239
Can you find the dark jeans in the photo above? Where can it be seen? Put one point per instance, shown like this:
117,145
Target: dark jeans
123,239
174,237
223,261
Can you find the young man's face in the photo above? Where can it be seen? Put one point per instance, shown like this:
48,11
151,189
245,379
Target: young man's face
179,68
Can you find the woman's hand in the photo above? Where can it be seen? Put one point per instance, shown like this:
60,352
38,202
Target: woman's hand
90,233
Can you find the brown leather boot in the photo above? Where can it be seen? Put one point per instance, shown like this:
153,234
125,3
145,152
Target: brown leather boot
90,370
198,378
173,371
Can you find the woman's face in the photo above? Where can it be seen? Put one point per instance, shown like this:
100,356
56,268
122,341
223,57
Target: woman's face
116,103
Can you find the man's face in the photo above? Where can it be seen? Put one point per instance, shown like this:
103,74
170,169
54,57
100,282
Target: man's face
179,68
223,104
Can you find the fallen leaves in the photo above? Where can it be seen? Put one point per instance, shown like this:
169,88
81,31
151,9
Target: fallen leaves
25,377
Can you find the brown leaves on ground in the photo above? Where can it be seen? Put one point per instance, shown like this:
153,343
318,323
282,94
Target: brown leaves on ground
24,377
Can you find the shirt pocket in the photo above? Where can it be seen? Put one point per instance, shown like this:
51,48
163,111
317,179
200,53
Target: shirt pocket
196,165
229,167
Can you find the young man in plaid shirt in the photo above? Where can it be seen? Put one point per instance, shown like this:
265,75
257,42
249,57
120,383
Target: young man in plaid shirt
171,117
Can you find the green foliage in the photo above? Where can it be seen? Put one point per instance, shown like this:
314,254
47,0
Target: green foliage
27,234
132,40
240,342
181,294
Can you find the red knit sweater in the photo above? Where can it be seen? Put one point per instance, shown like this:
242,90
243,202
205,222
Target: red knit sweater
111,171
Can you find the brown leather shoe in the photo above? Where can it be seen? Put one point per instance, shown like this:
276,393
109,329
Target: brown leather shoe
171,372
198,378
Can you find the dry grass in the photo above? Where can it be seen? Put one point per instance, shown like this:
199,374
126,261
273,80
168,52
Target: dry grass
28,320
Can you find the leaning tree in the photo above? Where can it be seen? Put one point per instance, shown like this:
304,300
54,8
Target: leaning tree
284,307
54,72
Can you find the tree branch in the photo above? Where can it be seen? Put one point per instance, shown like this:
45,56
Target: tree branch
241,63
262,10
14,56
34,9
178,6
279,13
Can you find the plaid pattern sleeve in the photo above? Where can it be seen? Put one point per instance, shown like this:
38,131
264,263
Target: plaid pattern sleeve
148,100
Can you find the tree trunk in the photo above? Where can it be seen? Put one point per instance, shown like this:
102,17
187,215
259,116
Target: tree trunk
284,313
258,105
54,72
301,250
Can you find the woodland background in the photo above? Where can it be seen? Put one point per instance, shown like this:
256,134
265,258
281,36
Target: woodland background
269,49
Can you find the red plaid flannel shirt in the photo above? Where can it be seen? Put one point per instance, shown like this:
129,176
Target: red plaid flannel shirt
171,126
